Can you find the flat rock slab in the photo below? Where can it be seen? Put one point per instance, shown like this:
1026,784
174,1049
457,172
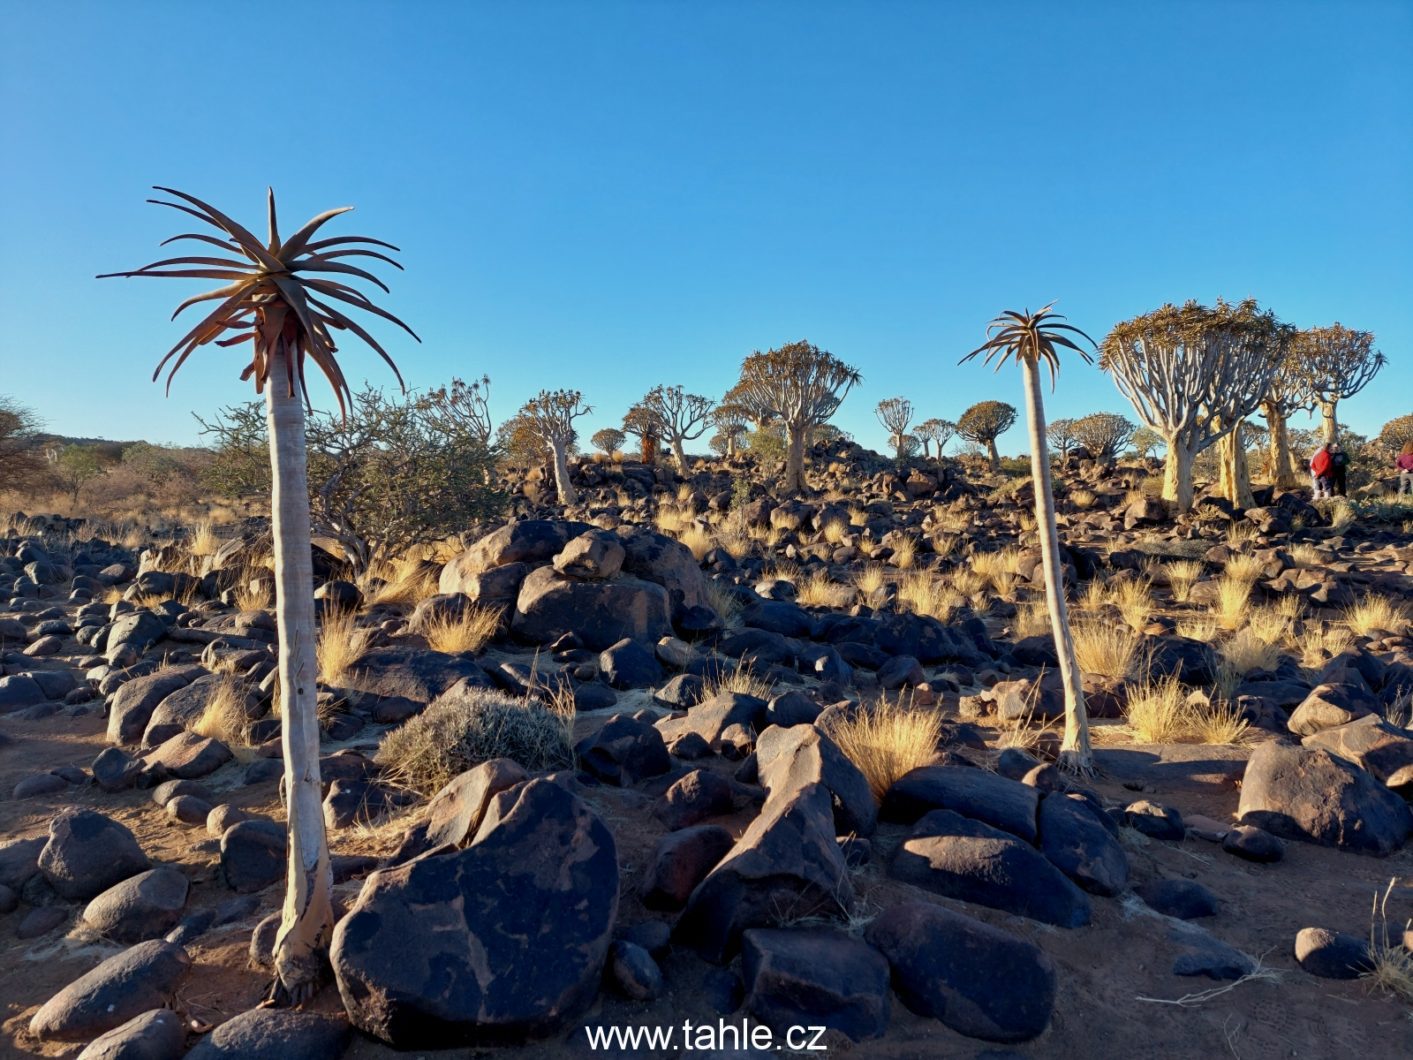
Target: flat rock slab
122,987
815,977
975,793
1169,768
275,1034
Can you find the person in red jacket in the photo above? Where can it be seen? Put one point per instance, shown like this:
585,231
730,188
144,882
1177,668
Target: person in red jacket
1404,463
1320,467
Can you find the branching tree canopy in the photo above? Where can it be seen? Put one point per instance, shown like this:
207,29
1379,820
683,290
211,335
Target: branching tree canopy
1193,373
609,440
895,414
1335,363
677,416
935,431
549,417
800,385
1395,434
22,464
1146,441
983,423
469,403
641,424
1060,435
1103,434
73,466
730,421
392,474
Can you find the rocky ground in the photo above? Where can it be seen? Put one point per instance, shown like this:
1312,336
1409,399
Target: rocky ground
708,852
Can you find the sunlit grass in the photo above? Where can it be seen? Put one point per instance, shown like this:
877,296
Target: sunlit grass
887,741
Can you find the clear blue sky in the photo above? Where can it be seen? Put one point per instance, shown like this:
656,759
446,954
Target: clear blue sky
612,195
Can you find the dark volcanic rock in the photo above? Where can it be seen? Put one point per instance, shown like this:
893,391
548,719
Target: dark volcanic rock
141,907
503,939
789,759
974,793
87,853
815,977
1183,899
276,1034
125,985
155,1035
1076,841
600,613
1332,954
681,861
624,751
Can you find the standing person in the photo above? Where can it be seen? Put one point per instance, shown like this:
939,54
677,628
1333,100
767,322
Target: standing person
1404,463
1339,468
1320,465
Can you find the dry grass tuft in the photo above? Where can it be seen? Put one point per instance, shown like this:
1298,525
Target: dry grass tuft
818,591
1104,648
871,579
408,581
341,644
458,732
1182,575
904,553
1241,534
468,632
1032,619
1233,602
1218,722
697,539
1245,652
887,741
254,591
1268,624
1243,568
1134,600
742,680
836,531
1307,555
925,593
1375,614
723,601
1083,499
1391,965
226,717
1157,710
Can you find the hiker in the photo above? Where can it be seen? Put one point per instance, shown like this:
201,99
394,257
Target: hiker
1339,468
1404,463
1320,465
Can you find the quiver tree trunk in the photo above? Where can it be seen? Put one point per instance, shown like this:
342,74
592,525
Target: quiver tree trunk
1075,752
1283,470
679,455
1177,473
302,943
794,479
1329,425
1235,476
563,486
993,455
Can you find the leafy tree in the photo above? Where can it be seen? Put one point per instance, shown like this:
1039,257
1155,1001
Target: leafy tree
1193,373
1335,363
677,416
935,431
391,474
277,296
608,440
1146,441
1103,434
1395,434
1060,435
799,385
22,463
1029,339
549,417
983,423
895,414
73,467
767,445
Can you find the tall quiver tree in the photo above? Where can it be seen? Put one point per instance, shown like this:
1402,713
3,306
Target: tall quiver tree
799,385
935,430
275,299
677,416
895,414
730,421
550,416
1287,394
983,423
1335,363
1030,338
1193,373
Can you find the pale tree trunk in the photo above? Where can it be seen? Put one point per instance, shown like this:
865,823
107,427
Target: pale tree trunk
1177,474
563,486
1284,473
302,943
926,449
1235,476
794,460
993,455
898,446
679,455
1329,426
1075,753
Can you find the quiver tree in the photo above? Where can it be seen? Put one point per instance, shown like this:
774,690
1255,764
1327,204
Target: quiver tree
641,424
549,418
983,423
1060,435
1103,434
1029,339
1192,373
677,416
278,297
801,387
463,408
1335,363
1395,434
730,421
608,441
1146,441
1288,393
937,432
895,414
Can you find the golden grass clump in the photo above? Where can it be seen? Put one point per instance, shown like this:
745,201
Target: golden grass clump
1182,575
1233,602
1203,628
968,582
670,521
1246,652
341,644
923,593
1242,533
1083,499
254,591
1243,568
462,730
1032,619
818,591
468,632
742,680
722,600
871,579
1307,555
226,716
1157,710
1104,648
408,581
904,553
1218,722
203,540
1269,625
737,545
1134,599
836,531
887,741
697,539
1375,614
944,545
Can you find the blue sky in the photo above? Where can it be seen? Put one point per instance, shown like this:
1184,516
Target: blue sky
611,195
